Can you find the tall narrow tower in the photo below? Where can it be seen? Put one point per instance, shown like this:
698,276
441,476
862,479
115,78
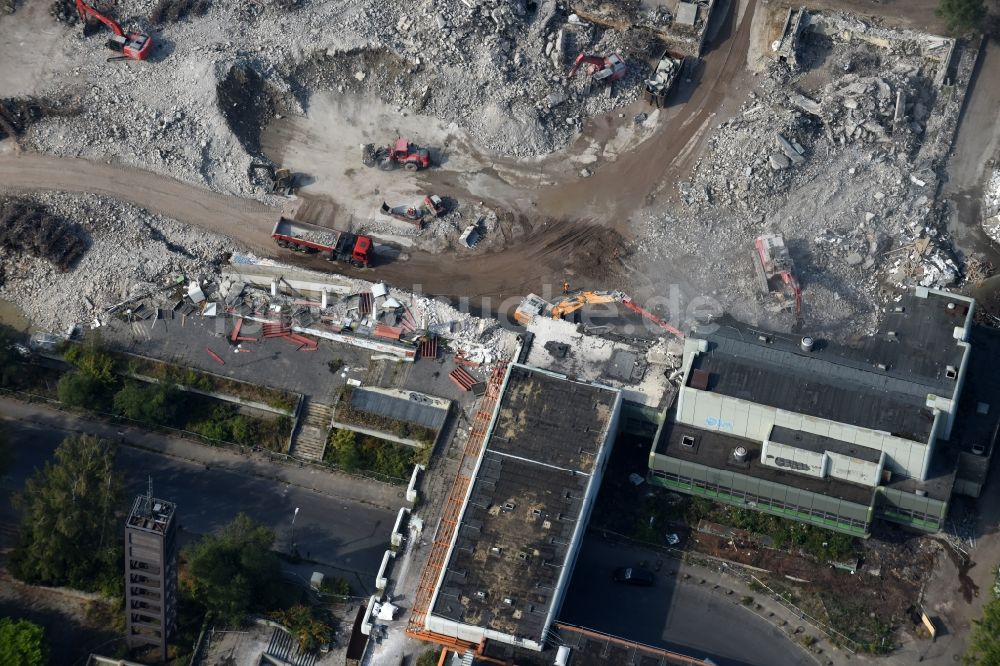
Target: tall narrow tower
151,573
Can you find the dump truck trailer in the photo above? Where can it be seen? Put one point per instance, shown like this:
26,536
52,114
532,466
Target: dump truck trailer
331,244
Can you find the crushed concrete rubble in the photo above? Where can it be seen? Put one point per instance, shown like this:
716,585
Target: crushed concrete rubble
840,149
991,206
131,252
496,69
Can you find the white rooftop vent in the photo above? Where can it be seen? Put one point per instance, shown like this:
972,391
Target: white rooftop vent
808,344
740,454
951,372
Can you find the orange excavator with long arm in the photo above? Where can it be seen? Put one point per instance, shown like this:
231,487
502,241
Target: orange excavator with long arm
131,45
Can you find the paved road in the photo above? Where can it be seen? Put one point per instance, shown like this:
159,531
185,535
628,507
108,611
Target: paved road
687,618
343,534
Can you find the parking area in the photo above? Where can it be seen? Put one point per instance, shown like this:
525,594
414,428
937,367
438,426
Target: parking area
674,614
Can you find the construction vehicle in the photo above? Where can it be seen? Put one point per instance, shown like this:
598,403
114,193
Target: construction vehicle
431,205
533,306
776,272
282,181
131,45
411,214
399,152
601,69
576,302
658,86
331,245
435,206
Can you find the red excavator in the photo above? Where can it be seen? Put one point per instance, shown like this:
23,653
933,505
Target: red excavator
776,272
601,69
131,45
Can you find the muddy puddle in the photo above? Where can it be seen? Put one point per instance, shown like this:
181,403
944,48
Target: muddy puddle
13,316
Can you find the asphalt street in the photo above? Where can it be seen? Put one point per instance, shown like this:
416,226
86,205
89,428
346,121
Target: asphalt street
345,536
684,617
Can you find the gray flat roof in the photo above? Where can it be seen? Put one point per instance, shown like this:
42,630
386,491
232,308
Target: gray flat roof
714,449
879,382
821,443
517,527
411,410
812,386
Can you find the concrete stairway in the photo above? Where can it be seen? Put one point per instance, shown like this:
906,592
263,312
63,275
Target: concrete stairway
314,429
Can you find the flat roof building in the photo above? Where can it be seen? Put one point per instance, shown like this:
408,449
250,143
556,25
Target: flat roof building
527,507
826,433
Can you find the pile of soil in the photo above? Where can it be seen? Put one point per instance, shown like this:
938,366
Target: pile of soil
171,11
247,102
19,113
28,227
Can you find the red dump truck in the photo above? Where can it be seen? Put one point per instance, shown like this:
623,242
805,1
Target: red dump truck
331,244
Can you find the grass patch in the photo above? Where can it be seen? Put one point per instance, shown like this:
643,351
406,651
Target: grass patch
203,381
352,452
347,414
824,545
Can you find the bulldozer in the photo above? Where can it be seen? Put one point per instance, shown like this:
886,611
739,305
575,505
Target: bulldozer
400,152
282,181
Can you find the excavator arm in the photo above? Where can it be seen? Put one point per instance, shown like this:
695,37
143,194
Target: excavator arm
581,59
86,11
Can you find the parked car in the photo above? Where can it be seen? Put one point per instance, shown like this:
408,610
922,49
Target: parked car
634,576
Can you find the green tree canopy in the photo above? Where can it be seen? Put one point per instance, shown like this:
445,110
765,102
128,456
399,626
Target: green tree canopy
962,15
309,630
69,524
151,403
984,643
89,385
22,643
235,571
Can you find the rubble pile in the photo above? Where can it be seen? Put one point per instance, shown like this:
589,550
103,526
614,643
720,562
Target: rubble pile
841,157
991,206
131,252
29,228
497,69
18,114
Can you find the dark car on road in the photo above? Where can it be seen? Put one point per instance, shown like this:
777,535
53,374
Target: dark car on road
634,576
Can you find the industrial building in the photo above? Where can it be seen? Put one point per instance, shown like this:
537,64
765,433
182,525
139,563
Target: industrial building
520,527
832,434
151,573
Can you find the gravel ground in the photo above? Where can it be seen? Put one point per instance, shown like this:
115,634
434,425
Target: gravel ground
196,108
130,251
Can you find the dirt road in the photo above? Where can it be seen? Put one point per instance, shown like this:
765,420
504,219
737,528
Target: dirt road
245,220
498,276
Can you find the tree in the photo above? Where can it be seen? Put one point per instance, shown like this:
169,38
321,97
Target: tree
344,449
235,571
69,518
962,15
310,631
22,643
984,643
151,403
89,384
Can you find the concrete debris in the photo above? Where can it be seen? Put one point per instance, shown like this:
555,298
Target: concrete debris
131,253
839,147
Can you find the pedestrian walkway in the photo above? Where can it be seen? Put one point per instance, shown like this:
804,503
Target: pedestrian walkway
311,477
310,438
